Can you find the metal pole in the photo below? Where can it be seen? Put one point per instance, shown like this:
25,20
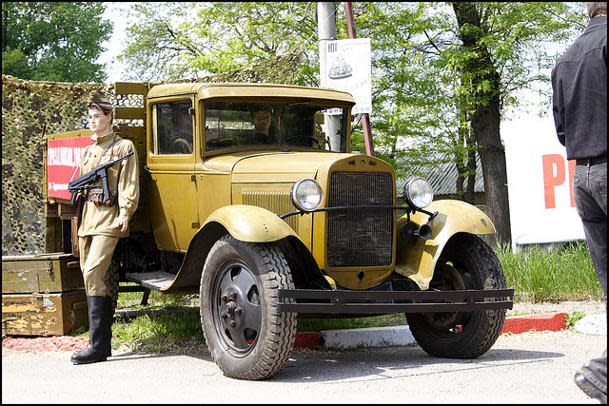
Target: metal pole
365,118
326,26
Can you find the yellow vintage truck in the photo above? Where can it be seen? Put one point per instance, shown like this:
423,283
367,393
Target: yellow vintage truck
243,202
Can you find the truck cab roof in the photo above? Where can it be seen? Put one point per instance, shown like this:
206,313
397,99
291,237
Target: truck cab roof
213,90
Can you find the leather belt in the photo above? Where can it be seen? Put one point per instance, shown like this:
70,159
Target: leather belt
592,161
97,196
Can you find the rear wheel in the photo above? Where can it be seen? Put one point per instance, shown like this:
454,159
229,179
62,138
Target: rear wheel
246,335
112,283
467,262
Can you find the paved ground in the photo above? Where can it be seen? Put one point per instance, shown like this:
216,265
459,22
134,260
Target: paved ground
524,368
532,367
587,307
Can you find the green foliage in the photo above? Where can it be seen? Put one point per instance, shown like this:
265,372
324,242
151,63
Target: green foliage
573,318
517,39
176,40
424,80
53,41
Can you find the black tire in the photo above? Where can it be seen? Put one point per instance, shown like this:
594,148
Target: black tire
239,285
467,262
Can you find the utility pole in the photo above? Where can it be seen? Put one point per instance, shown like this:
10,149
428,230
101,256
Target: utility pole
326,26
365,118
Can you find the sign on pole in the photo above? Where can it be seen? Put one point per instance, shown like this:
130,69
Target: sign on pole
540,180
345,65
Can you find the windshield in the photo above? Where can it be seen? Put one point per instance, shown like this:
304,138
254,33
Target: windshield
300,124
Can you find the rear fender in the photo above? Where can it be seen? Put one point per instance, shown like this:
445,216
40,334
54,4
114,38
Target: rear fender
417,259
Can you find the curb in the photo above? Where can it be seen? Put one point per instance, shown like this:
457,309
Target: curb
537,322
401,335
307,339
345,338
368,337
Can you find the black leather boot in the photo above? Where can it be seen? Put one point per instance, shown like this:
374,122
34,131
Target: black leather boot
109,319
100,331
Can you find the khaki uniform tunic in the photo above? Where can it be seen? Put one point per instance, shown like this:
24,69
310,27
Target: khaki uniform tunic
122,178
99,231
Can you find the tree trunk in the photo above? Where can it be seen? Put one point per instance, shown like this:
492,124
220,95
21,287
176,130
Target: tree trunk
471,167
485,90
460,161
485,126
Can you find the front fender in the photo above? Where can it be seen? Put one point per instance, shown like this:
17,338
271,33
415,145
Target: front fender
417,260
251,223
245,223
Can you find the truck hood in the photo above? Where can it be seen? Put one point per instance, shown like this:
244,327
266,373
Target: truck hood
274,166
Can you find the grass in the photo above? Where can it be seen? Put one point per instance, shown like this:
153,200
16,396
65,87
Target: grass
363,322
537,276
159,332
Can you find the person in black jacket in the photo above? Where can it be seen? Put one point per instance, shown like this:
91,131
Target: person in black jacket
579,83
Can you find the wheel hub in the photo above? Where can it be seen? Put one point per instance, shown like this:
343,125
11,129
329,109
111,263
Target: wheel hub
237,311
231,310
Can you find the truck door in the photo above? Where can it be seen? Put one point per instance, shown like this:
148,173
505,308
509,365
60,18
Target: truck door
170,158
213,174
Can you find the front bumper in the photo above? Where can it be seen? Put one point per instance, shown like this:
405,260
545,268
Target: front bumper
359,302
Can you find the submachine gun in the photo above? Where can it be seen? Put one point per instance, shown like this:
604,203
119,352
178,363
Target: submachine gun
83,182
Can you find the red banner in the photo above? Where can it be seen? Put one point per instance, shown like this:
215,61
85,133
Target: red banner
63,164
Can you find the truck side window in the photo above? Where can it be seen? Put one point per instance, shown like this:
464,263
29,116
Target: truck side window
174,128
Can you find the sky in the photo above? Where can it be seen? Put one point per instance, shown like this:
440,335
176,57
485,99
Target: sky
117,13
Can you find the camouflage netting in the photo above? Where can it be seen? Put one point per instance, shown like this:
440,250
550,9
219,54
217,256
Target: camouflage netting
33,109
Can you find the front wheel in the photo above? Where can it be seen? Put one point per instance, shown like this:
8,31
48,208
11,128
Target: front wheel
246,335
467,262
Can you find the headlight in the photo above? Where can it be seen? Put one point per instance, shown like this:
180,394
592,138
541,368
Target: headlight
307,195
418,192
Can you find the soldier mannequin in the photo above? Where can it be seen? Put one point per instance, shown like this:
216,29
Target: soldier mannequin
103,223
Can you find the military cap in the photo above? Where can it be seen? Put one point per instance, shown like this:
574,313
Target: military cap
97,97
100,100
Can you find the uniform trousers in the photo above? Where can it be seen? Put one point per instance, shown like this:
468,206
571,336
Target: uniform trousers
95,257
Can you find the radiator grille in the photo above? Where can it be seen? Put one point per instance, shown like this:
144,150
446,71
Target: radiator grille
360,237
276,202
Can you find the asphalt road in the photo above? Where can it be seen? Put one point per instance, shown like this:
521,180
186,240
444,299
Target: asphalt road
525,368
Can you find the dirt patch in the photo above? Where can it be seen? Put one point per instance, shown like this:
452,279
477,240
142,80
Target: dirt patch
61,343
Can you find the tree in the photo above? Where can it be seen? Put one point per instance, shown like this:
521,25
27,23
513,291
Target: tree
492,60
176,40
53,41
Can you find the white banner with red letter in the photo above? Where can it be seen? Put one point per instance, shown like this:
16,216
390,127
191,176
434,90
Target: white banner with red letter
540,181
63,164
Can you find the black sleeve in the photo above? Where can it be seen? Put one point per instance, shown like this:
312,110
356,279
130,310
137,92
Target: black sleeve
558,106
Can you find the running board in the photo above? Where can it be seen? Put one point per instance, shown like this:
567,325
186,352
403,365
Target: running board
158,280
350,302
